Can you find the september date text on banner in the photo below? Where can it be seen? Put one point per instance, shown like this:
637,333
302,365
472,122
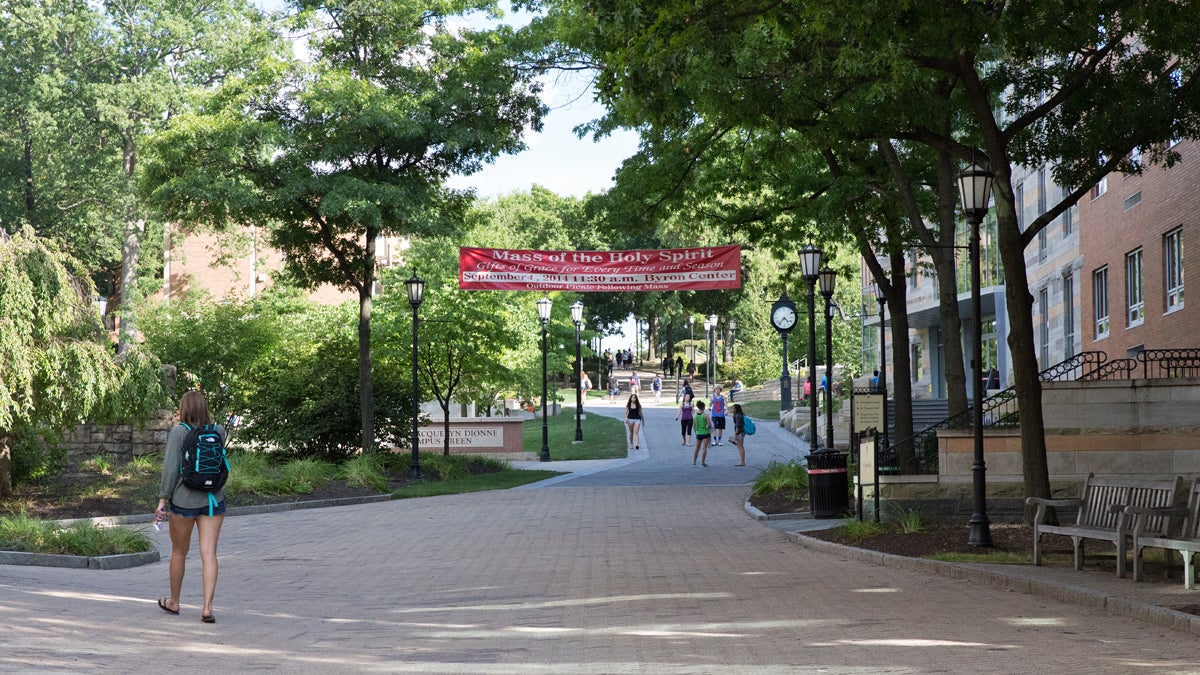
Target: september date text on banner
672,269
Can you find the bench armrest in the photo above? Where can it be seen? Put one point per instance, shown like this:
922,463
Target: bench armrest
1041,501
1142,514
1156,510
1044,504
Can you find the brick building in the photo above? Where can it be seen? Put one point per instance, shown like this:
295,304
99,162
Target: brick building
1132,235
240,264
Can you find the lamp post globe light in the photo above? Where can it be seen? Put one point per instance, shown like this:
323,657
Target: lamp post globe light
416,293
975,188
543,310
577,319
828,279
810,265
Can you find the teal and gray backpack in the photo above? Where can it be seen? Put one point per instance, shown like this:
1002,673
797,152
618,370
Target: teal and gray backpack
204,466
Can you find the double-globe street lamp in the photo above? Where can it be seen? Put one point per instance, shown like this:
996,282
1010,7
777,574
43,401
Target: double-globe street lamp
416,293
577,319
828,279
543,310
975,188
810,265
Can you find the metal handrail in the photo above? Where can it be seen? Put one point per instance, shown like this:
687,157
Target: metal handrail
1169,363
1119,369
999,411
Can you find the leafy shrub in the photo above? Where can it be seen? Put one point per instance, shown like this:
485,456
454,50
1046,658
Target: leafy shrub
854,531
365,471
790,475
35,455
910,521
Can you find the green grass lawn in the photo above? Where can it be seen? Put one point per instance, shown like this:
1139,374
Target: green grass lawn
766,410
603,437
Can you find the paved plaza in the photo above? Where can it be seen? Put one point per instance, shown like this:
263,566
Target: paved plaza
645,565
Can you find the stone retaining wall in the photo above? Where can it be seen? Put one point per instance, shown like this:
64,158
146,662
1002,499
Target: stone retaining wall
123,441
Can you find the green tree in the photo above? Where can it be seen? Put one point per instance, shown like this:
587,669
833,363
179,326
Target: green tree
355,145
58,368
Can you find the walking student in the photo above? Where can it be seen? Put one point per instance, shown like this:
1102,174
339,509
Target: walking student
633,420
656,387
717,412
186,509
703,423
739,433
684,415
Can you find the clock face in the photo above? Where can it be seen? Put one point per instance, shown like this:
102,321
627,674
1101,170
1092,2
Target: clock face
783,318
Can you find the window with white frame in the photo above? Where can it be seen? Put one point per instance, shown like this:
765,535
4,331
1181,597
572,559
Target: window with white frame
1068,289
1173,268
1102,185
1135,299
1100,301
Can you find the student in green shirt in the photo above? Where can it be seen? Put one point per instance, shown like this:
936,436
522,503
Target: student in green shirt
703,423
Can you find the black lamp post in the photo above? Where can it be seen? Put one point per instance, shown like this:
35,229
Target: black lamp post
577,318
975,188
828,279
733,338
712,349
416,293
543,310
881,298
692,337
810,264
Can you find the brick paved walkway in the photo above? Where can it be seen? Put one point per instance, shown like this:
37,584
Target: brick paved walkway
573,577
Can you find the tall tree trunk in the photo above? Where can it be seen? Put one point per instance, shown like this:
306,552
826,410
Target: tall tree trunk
652,338
1035,467
131,249
366,384
901,380
6,485
944,263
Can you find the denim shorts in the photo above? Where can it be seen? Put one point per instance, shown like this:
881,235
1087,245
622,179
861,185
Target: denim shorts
218,510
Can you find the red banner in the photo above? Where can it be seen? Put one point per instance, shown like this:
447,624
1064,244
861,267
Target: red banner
672,269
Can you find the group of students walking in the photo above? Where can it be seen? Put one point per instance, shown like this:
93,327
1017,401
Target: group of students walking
709,425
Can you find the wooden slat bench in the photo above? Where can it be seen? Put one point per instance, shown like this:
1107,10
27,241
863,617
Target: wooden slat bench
1102,513
1184,538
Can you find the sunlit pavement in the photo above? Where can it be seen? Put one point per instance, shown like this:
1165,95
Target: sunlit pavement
602,572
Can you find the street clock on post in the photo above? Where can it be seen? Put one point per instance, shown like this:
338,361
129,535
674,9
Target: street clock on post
783,314
783,318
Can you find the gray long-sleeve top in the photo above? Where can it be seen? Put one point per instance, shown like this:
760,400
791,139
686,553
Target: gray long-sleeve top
171,487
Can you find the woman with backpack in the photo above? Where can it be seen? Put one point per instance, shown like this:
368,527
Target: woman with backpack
184,507
739,433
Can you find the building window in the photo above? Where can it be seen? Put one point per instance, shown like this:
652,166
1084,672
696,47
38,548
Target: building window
1041,203
1019,198
1100,299
1135,301
916,362
1044,327
1102,185
1043,240
1133,200
1173,274
1068,316
1068,220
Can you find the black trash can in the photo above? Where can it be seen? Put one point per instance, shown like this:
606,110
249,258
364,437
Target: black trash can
828,484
